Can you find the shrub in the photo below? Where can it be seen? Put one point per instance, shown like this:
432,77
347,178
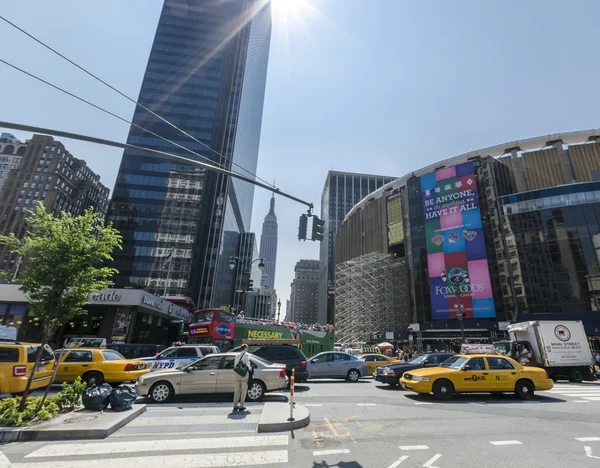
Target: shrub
67,399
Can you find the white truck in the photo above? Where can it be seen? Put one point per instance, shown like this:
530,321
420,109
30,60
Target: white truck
560,347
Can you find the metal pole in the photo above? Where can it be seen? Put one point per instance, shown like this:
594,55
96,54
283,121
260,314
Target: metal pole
180,159
168,273
291,418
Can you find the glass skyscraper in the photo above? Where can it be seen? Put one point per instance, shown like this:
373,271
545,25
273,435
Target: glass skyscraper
206,74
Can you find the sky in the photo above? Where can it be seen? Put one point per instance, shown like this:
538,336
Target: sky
376,86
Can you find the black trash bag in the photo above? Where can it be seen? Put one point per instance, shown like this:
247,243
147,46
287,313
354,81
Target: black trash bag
122,398
96,398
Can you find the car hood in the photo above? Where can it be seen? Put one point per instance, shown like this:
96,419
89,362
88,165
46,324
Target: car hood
433,371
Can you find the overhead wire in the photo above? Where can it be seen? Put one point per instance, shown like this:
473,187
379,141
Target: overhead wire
102,109
42,43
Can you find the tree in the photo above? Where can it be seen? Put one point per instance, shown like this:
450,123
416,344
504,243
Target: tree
64,260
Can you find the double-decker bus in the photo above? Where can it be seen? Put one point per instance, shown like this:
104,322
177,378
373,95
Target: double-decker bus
215,326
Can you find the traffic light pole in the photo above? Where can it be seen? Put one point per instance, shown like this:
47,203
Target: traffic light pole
162,154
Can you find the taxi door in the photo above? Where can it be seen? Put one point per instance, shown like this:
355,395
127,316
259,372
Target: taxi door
503,375
75,363
473,377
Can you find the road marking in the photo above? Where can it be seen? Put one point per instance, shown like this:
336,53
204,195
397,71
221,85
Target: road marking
366,404
587,439
588,452
318,453
505,442
313,404
97,448
4,463
423,403
414,447
397,462
197,460
432,460
580,394
595,398
581,401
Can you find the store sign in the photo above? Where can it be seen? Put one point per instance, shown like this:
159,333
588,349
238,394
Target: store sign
105,296
152,302
8,333
455,243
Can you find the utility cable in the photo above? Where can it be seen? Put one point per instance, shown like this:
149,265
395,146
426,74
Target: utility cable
131,100
104,110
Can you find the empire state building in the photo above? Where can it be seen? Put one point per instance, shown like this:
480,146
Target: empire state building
268,247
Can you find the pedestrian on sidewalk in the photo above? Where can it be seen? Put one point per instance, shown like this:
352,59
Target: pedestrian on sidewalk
241,363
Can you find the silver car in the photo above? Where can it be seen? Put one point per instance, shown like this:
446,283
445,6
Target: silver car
336,365
211,375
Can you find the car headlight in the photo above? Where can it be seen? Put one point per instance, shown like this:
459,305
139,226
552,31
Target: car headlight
387,371
420,378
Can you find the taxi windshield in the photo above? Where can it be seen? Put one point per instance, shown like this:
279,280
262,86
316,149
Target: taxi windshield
455,362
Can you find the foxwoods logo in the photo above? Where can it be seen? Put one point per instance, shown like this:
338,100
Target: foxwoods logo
462,289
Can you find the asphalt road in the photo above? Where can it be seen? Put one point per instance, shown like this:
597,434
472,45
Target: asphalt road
364,424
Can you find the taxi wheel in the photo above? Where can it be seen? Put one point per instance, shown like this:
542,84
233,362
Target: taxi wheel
443,389
93,378
524,389
161,392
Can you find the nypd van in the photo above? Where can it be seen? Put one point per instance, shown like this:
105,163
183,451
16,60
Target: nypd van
175,357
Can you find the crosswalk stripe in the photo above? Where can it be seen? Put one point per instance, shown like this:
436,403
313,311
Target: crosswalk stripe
65,450
190,420
595,398
196,460
582,395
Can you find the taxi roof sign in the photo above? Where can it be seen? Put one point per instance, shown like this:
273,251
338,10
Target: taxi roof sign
370,350
478,349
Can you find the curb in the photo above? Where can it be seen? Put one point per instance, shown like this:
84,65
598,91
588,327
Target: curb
28,434
274,418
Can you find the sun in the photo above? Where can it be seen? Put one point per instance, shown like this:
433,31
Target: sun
290,10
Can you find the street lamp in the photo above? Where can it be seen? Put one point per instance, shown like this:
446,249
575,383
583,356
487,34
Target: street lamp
457,277
233,262
278,309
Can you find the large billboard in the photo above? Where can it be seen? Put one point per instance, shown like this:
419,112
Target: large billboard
394,219
455,243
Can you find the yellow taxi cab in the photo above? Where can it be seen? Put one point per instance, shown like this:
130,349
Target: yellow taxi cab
373,361
16,363
98,365
486,373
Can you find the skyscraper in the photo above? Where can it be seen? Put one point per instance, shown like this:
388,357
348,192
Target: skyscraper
342,191
268,247
206,74
305,292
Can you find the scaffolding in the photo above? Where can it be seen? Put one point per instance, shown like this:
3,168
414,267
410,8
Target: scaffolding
371,296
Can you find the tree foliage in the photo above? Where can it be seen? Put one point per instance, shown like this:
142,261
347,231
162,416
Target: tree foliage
64,261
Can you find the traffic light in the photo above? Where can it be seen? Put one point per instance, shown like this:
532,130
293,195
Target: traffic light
303,227
318,228
250,284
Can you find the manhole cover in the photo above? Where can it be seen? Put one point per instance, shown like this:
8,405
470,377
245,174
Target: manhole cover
79,419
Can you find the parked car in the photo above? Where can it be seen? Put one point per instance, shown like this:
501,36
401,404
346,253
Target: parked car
211,375
391,374
378,360
481,373
135,351
176,357
331,364
16,362
292,357
98,365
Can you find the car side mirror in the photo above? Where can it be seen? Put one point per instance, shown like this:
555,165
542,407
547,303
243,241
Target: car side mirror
314,361
467,367
424,363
